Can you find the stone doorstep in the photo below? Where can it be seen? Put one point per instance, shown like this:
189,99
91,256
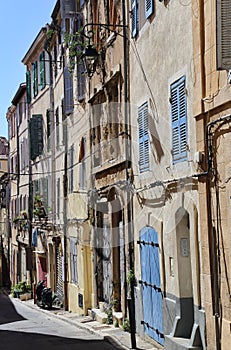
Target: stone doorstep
101,316
117,316
175,343
98,315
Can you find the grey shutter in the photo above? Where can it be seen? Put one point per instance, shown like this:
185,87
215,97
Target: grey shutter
143,127
68,89
73,258
179,121
223,14
134,18
149,8
68,8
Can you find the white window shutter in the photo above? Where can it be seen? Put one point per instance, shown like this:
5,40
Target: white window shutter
223,14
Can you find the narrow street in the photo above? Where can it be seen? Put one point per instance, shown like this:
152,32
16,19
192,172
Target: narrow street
23,328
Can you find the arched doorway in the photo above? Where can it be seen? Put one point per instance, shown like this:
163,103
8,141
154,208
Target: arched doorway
186,320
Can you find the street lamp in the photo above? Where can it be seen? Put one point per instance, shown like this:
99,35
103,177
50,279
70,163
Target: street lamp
90,55
89,58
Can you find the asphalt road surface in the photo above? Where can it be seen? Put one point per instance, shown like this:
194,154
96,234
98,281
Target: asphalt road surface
23,328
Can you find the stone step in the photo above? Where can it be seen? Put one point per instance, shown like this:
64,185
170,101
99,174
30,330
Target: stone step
176,343
98,315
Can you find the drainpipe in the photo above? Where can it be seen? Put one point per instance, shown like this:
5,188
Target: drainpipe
131,300
214,239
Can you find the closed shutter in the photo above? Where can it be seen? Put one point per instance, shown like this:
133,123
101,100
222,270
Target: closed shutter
73,258
71,169
42,70
57,127
149,8
179,121
28,86
68,8
223,14
48,130
36,135
59,268
68,90
81,80
134,18
143,137
35,78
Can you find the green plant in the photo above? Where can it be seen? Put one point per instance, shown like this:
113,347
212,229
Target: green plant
20,288
109,316
76,46
126,325
131,278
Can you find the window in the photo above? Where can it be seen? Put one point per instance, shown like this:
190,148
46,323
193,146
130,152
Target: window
68,90
143,131
36,135
35,78
73,260
57,127
58,197
48,130
179,120
141,11
81,80
134,18
42,70
82,155
148,8
223,42
28,86
71,170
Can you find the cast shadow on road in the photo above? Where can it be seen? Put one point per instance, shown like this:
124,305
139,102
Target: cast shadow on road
28,341
8,313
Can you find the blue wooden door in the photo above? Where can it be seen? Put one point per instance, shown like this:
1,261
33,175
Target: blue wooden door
151,287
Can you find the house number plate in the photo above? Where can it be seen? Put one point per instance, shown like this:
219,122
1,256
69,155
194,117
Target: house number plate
184,246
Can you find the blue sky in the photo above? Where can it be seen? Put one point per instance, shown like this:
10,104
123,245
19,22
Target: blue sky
20,22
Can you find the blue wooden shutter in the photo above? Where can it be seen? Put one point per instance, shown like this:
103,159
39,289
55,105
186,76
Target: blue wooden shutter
134,18
179,120
143,127
149,8
28,86
42,70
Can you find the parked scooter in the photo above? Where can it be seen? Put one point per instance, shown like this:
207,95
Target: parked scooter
44,295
